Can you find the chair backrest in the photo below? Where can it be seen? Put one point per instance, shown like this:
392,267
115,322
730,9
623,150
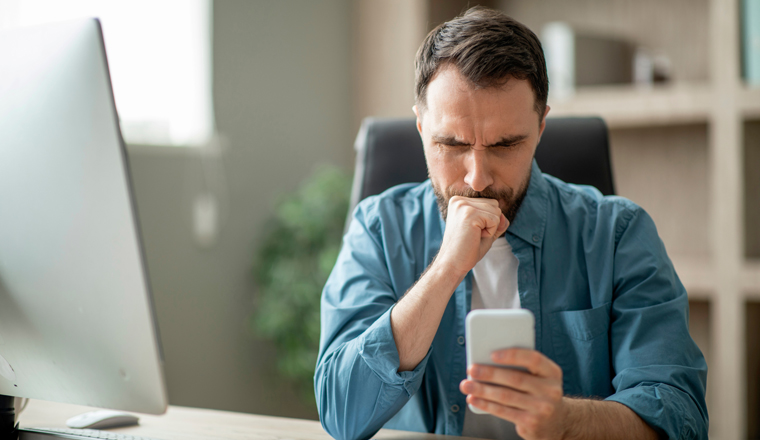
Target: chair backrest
389,152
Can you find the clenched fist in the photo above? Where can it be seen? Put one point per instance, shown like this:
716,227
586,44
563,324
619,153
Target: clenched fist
472,226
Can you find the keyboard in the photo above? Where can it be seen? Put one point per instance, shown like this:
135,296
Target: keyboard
74,434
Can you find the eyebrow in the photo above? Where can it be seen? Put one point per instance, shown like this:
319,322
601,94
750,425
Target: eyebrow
503,142
509,141
450,140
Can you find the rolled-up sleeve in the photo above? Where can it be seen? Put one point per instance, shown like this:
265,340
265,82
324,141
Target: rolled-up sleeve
659,372
357,383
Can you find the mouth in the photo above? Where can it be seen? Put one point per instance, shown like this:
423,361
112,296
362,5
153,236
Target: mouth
505,197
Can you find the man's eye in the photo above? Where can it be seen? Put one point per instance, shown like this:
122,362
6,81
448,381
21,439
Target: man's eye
508,146
505,147
451,147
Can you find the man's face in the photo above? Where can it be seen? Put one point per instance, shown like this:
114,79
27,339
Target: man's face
479,142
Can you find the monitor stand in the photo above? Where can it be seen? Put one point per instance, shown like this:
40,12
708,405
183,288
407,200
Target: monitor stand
8,425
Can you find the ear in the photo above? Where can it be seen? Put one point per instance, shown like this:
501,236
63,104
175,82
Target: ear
419,118
542,126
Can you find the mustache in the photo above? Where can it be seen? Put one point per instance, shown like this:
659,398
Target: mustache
488,193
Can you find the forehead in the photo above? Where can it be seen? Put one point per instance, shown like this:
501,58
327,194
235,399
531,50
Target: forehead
453,103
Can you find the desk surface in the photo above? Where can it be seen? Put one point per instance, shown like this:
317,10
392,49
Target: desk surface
195,424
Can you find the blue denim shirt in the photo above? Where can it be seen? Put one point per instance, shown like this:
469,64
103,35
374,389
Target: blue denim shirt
609,308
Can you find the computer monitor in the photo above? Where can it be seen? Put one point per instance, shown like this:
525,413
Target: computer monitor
77,323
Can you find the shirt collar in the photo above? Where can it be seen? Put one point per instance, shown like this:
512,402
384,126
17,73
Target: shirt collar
530,222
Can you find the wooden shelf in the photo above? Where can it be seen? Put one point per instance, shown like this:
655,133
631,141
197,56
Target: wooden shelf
632,106
749,102
698,277
696,274
750,279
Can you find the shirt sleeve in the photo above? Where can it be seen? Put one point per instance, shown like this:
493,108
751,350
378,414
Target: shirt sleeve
357,384
660,373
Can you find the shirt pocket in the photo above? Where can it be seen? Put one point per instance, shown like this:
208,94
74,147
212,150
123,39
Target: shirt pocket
582,348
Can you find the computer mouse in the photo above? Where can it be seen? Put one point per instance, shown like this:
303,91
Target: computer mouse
102,419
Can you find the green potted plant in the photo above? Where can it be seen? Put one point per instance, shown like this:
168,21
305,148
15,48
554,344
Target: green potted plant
291,267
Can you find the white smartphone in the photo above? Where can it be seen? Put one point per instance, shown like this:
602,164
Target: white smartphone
488,330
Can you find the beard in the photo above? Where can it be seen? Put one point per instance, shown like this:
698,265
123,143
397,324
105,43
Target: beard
509,199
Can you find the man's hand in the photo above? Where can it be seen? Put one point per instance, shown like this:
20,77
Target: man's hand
532,401
472,226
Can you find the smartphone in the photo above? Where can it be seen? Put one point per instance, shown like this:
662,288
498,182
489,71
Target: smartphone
488,330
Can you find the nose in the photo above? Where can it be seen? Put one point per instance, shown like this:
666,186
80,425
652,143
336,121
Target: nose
478,172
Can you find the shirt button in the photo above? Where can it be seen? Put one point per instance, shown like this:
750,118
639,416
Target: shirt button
460,340
454,408
535,238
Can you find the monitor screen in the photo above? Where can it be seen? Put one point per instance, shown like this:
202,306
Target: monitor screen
76,318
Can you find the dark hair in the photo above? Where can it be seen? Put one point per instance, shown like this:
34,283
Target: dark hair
488,48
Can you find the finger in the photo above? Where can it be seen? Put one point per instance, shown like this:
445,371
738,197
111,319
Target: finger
526,423
482,200
485,220
513,415
475,206
491,226
498,231
518,380
501,222
478,200
492,205
484,214
499,394
503,225
532,360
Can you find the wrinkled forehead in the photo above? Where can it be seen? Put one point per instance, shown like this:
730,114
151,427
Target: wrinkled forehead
456,107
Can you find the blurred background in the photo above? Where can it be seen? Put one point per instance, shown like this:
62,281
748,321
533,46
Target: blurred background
237,114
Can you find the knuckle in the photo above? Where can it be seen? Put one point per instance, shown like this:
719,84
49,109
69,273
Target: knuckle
504,395
555,394
502,411
486,372
546,410
518,380
556,370
522,432
532,423
488,406
528,426
535,359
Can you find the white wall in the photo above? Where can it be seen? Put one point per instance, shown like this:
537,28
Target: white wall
282,95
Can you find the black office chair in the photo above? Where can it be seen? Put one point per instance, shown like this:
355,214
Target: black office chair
389,152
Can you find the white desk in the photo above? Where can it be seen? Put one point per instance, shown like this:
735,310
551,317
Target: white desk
195,424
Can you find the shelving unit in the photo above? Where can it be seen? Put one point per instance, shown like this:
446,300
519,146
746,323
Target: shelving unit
631,106
749,102
751,282
689,153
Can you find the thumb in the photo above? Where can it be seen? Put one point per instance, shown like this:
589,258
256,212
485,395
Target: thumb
503,225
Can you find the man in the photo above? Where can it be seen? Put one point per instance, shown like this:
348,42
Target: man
613,356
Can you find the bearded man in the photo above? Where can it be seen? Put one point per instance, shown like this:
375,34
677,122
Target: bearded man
613,355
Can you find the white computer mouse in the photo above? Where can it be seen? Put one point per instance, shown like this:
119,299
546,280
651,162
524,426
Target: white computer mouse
102,419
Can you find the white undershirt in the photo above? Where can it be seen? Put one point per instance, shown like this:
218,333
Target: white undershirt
494,279
494,286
